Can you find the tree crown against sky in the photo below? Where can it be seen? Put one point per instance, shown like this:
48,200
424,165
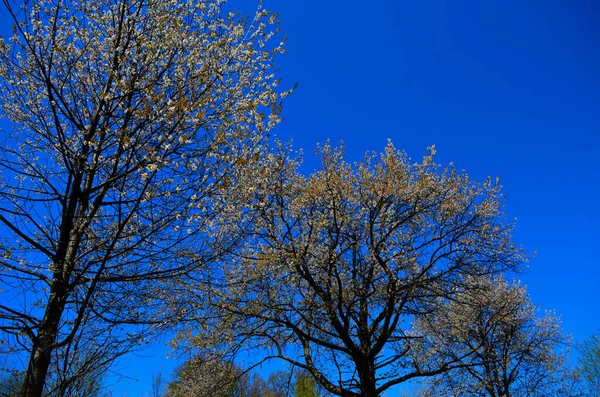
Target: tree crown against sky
342,260
128,121
506,347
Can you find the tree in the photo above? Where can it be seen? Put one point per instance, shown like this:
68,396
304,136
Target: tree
204,377
88,385
213,377
589,364
516,353
129,121
78,370
298,383
200,377
343,259
280,384
157,385
306,385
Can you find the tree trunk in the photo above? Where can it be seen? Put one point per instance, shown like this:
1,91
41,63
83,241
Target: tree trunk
44,344
366,374
41,353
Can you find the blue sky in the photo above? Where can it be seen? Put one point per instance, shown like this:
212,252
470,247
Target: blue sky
507,88
504,88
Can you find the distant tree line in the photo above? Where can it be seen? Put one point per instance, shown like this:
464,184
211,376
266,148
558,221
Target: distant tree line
198,378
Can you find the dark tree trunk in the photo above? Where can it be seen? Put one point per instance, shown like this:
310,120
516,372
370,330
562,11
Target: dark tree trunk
366,373
44,344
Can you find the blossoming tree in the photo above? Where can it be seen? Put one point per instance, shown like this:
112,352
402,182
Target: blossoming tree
506,349
127,122
343,260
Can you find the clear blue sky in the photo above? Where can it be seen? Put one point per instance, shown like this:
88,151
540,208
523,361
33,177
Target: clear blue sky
507,88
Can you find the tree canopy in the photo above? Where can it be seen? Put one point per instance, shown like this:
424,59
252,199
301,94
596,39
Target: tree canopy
128,120
199,377
505,346
341,261
139,194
